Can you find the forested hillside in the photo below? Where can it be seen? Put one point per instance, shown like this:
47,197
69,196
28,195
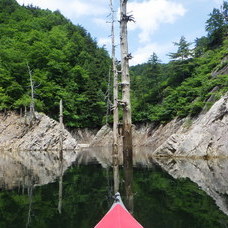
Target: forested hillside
192,80
65,61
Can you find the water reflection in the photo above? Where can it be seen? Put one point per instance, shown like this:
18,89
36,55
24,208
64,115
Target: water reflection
211,175
26,168
167,192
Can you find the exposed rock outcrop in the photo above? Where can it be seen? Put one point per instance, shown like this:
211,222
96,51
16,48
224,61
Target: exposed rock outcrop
84,136
207,135
204,136
42,135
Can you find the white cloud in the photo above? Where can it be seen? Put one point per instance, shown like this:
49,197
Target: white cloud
142,54
71,8
104,41
101,22
150,14
210,3
219,2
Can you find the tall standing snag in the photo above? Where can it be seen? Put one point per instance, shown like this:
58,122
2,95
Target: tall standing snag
115,152
127,122
32,103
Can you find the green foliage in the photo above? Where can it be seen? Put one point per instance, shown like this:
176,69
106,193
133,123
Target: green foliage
66,64
217,25
201,45
4,99
183,51
184,86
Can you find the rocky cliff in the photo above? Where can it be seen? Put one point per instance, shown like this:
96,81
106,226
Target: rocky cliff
204,136
43,134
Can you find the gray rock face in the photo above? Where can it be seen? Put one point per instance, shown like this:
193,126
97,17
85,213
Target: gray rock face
207,136
103,137
202,137
42,135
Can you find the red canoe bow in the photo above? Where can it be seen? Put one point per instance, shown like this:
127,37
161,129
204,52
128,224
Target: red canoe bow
118,217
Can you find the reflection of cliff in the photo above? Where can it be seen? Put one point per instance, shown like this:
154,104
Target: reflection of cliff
210,175
26,168
103,155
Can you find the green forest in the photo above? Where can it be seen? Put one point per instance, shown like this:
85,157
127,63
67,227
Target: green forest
67,63
193,79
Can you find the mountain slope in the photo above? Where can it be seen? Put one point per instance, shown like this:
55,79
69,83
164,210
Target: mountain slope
66,63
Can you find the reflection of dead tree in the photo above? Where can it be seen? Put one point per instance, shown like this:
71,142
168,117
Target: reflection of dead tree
60,186
30,194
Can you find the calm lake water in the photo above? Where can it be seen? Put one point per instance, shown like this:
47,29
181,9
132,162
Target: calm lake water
167,193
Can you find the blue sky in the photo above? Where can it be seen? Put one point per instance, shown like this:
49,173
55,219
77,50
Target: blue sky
159,23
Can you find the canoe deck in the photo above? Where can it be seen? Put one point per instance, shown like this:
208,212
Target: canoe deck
118,217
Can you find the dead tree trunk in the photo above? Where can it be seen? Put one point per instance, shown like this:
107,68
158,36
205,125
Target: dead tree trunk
127,122
115,152
32,103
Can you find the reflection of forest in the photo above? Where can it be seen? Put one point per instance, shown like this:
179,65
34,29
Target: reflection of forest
211,175
160,199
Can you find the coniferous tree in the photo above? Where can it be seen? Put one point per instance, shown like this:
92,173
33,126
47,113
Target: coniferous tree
153,75
201,45
153,67
217,25
183,52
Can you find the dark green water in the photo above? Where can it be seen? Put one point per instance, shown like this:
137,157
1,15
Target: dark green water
159,201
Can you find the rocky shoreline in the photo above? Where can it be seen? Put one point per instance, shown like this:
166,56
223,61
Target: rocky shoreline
205,136
43,134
